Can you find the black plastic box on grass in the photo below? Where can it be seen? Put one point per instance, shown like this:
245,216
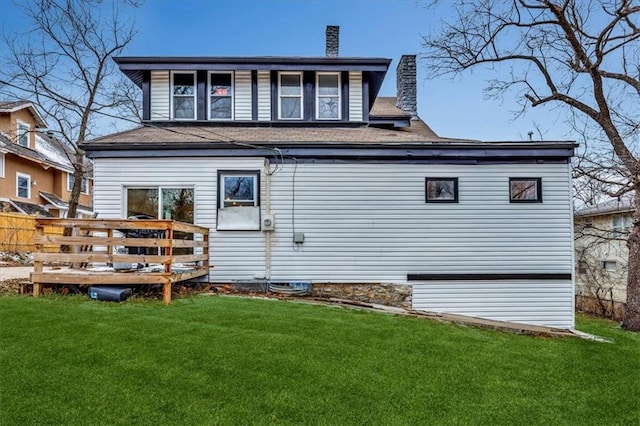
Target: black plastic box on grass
109,294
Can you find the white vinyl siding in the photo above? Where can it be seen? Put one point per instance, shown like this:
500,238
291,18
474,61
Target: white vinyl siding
234,254
160,95
355,96
264,95
243,95
368,222
365,222
546,303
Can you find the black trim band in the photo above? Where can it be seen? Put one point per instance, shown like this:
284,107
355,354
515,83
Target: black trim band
488,277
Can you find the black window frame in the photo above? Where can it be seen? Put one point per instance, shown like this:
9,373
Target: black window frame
440,178
538,181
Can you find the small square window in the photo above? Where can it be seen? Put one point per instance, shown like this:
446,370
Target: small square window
525,190
441,190
610,265
238,189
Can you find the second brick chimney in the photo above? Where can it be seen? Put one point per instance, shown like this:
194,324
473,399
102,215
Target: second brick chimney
333,40
406,85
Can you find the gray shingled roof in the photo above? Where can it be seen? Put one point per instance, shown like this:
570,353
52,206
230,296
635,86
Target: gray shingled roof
387,107
184,133
29,208
617,205
59,202
14,148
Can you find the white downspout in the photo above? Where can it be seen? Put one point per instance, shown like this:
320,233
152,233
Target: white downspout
267,210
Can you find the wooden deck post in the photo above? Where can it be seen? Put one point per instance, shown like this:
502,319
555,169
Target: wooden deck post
166,292
37,264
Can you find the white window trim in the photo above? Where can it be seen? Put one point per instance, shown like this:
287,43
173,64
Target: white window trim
195,95
28,177
28,126
318,96
280,95
209,95
2,165
256,186
69,188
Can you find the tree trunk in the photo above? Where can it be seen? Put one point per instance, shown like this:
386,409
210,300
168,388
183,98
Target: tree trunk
632,310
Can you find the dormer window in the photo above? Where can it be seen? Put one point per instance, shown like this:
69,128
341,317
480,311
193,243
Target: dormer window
184,95
220,96
23,134
290,94
328,96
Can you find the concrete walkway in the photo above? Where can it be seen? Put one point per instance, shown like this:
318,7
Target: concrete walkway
17,272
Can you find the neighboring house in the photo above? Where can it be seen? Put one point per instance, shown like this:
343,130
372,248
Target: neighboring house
304,174
601,233
36,174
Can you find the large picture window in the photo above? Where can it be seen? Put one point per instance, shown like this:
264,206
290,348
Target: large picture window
441,190
23,185
161,203
220,96
328,96
184,95
290,93
525,190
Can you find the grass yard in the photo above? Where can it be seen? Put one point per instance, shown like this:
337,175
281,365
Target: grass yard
223,360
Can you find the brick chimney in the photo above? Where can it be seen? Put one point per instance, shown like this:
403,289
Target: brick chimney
333,40
406,85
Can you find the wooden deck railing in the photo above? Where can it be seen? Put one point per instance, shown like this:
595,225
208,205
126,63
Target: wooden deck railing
92,242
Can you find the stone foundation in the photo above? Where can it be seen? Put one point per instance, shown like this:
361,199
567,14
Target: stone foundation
398,295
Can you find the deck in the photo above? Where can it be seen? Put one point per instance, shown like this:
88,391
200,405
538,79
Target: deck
170,251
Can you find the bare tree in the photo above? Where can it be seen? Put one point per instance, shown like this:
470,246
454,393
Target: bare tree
580,55
63,64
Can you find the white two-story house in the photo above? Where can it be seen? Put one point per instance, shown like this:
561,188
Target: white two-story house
303,173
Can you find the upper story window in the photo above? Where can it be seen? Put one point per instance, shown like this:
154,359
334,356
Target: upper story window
183,90
220,96
622,225
84,186
23,134
23,185
525,190
290,96
328,96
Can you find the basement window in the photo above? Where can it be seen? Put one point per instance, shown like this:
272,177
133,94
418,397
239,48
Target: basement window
525,190
238,200
441,190
610,265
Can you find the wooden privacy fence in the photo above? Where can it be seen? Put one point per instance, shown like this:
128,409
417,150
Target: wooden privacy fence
181,250
17,232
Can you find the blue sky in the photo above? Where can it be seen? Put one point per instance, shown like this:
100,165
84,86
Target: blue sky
374,28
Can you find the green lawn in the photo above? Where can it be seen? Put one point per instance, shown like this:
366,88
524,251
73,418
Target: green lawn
221,360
